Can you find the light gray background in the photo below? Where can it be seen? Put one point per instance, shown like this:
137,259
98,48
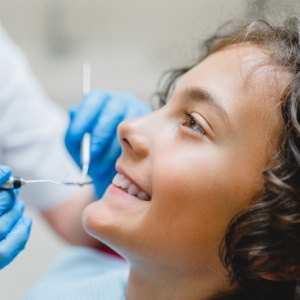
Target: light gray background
129,43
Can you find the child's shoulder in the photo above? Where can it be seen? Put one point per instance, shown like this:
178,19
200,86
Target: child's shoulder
82,273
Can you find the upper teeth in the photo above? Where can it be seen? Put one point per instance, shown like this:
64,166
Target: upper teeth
123,182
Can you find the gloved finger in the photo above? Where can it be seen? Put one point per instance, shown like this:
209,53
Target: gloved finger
72,112
87,113
7,200
5,173
145,109
106,126
121,106
111,152
100,187
107,171
8,220
73,147
82,119
15,241
136,108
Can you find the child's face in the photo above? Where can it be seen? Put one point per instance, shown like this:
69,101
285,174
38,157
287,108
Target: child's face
197,182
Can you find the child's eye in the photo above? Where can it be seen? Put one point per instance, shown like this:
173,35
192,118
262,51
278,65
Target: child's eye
191,123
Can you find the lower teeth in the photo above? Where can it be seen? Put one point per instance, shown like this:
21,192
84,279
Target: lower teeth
136,195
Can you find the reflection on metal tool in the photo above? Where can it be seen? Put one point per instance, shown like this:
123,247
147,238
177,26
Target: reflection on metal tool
15,182
85,154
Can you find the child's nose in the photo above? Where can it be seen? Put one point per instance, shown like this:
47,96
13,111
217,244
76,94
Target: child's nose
133,136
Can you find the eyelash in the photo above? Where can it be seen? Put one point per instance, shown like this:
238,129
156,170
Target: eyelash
190,122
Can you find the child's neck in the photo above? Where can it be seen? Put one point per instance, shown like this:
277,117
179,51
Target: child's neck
147,284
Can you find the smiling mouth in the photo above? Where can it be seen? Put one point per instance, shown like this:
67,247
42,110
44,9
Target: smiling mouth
124,183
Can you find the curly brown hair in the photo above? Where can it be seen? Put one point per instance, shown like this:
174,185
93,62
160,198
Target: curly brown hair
261,248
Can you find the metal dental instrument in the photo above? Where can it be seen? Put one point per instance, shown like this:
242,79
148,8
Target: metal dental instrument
85,154
15,182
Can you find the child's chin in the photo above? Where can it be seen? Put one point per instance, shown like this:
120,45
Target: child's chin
98,221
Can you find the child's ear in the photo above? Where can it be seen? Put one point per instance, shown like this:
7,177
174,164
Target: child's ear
270,277
287,274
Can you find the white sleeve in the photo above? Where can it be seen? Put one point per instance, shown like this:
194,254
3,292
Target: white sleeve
31,131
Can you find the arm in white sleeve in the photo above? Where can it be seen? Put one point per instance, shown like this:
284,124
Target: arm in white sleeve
31,143
32,130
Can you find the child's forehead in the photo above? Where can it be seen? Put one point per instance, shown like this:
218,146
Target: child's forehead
249,68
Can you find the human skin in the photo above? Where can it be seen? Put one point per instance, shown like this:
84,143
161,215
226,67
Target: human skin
198,181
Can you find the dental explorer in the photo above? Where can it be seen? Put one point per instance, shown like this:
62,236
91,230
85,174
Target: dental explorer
15,182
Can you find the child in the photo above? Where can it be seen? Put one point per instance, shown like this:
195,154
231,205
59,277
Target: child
205,204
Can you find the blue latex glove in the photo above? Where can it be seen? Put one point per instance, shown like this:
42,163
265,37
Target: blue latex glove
100,113
14,228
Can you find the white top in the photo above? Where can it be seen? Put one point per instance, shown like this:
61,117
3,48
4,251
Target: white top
83,274
32,130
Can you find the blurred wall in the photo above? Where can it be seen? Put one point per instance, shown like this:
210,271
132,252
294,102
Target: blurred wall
129,43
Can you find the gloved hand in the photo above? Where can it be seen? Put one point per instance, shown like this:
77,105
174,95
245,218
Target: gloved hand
100,113
14,228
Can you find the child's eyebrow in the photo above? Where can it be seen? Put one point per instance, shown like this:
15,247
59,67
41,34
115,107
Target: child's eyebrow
200,95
